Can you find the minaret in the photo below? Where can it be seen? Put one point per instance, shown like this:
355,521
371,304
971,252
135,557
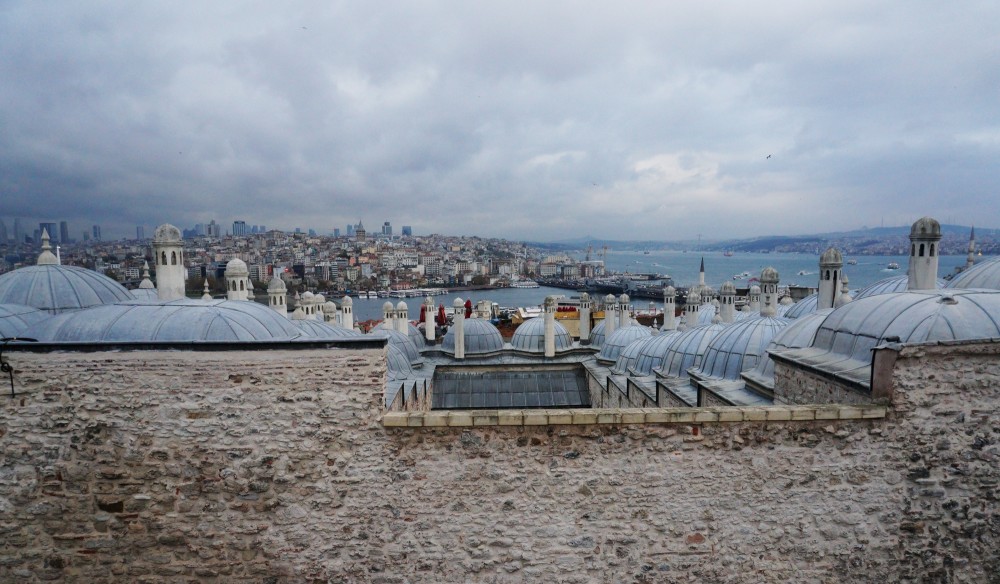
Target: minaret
459,324
168,252
970,260
624,311
237,275
207,295
277,295
610,318
669,308
925,235
585,307
727,302
330,311
691,307
550,326
845,294
146,283
429,320
701,276
388,315
402,318
347,313
831,265
47,258
754,302
769,289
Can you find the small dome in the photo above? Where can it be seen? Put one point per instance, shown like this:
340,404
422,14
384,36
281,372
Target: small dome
481,338
755,289
402,342
803,307
597,336
984,275
401,306
799,333
277,286
166,233
831,257
889,286
584,297
347,301
456,304
418,338
387,306
624,299
687,349
307,297
728,289
324,331
147,294
610,299
651,353
15,318
237,267
706,312
530,336
854,329
56,288
670,291
627,357
621,338
329,307
180,320
739,347
769,275
924,228
398,366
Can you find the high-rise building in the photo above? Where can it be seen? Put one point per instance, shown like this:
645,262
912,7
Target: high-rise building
239,228
213,229
140,232
387,229
3,233
407,231
336,232
350,230
50,228
18,233
96,230
64,232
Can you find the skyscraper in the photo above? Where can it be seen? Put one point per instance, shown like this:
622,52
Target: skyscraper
3,233
213,229
140,232
387,229
18,233
239,228
50,227
407,231
97,232
64,232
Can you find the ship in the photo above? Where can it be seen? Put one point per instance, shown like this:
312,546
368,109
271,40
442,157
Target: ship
892,266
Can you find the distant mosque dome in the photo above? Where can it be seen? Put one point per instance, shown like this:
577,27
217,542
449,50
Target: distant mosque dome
621,338
530,336
889,286
58,288
180,320
687,349
740,346
984,275
481,338
15,318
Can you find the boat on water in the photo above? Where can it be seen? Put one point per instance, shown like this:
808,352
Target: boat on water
741,276
892,266
852,262
727,253
803,273
524,284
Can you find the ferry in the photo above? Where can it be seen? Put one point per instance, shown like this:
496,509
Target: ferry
524,284
892,266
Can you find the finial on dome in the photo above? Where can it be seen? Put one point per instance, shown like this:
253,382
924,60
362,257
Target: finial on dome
207,295
47,258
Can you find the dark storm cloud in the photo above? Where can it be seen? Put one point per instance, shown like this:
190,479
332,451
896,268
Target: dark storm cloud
533,120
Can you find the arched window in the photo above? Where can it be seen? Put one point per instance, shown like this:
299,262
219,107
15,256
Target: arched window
241,286
827,275
173,258
164,261
921,250
932,250
913,249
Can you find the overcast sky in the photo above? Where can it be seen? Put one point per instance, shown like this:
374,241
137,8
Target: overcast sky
526,120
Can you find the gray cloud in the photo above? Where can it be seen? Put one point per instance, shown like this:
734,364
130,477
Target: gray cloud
523,120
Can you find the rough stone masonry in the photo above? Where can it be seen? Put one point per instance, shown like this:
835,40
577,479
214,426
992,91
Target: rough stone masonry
274,466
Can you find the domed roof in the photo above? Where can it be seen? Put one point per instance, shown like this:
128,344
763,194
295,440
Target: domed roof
652,352
56,288
706,312
166,233
799,333
831,256
727,289
740,346
237,267
347,301
387,306
401,306
889,286
623,337
402,342
854,329
984,275
687,349
530,336
597,335
755,289
397,364
180,320
769,275
627,357
15,318
418,338
148,294
277,285
481,338
325,331
802,307
926,227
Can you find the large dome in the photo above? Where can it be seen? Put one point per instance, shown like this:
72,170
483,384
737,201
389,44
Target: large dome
530,336
799,333
740,346
325,331
56,288
889,286
853,330
652,351
15,318
176,321
803,307
687,349
984,275
622,338
627,357
481,338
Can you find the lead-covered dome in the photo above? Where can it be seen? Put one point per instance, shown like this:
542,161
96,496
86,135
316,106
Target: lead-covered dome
324,331
621,338
652,352
740,346
597,335
627,357
57,288
890,286
799,333
401,341
15,318
530,336
397,364
277,286
687,349
415,335
481,338
180,320
984,275
803,307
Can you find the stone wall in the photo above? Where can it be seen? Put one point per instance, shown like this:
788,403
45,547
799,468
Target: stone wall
795,385
274,466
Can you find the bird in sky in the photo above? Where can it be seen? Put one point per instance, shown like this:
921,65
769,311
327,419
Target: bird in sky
768,156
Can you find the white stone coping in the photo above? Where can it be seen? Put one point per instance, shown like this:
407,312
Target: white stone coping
583,416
